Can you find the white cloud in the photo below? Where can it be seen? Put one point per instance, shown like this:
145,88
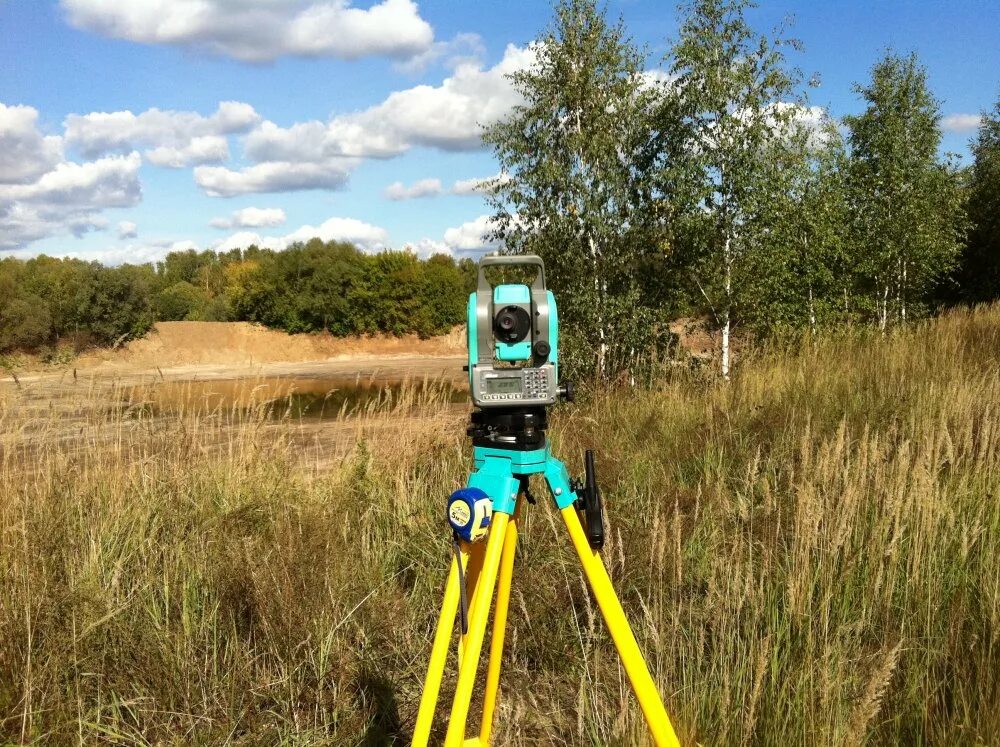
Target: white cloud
201,150
422,188
176,138
448,117
272,176
471,236
815,121
462,48
107,182
478,186
251,217
127,230
656,78
364,235
67,199
468,186
961,122
304,141
25,154
117,255
321,155
428,247
262,30
787,120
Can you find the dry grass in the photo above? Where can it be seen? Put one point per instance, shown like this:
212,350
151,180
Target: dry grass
809,555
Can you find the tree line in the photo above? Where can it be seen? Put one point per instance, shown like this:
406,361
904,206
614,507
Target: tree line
710,187
707,187
309,287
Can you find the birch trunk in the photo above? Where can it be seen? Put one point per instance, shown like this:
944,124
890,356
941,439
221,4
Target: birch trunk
599,284
883,311
812,311
726,312
812,305
899,290
902,295
602,348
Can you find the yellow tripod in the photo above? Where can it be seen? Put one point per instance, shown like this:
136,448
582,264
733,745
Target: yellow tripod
501,478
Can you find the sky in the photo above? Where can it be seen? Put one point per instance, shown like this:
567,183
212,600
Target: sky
130,129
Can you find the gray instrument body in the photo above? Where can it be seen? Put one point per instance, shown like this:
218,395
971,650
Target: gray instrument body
522,371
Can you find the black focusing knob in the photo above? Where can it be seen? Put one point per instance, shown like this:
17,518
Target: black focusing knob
567,391
542,350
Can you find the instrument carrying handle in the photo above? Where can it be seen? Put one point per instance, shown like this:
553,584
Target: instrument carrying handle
512,260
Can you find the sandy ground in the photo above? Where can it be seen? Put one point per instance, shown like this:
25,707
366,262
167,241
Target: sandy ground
209,372
171,344
199,351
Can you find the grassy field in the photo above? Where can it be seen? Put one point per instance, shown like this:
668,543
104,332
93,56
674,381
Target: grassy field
809,555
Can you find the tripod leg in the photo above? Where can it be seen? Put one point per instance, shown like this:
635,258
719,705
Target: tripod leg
478,618
628,650
439,655
477,552
499,625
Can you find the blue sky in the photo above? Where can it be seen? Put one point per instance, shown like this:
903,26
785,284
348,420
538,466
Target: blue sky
331,103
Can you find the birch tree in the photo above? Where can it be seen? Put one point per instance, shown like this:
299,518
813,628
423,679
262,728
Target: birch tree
802,267
575,192
906,203
731,102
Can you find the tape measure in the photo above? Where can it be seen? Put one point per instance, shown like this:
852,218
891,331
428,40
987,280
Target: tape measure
469,513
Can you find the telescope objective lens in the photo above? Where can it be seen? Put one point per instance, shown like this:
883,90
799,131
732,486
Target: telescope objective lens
512,324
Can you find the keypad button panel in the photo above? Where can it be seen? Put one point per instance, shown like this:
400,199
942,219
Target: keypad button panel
535,387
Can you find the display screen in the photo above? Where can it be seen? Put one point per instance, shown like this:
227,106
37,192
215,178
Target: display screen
505,385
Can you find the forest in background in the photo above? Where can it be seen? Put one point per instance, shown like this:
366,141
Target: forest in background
48,305
707,185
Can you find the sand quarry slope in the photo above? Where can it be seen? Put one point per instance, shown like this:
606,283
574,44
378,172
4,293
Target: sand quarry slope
171,344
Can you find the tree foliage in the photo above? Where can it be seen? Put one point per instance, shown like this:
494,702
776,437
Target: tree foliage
905,202
732,107
707,187
574,190
715,189
312,287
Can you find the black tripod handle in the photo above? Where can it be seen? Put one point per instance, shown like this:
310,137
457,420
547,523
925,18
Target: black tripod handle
592,510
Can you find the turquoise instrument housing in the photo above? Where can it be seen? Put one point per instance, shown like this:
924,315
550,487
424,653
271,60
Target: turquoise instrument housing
511,295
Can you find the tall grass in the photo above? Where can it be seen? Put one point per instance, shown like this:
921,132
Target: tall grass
809,554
